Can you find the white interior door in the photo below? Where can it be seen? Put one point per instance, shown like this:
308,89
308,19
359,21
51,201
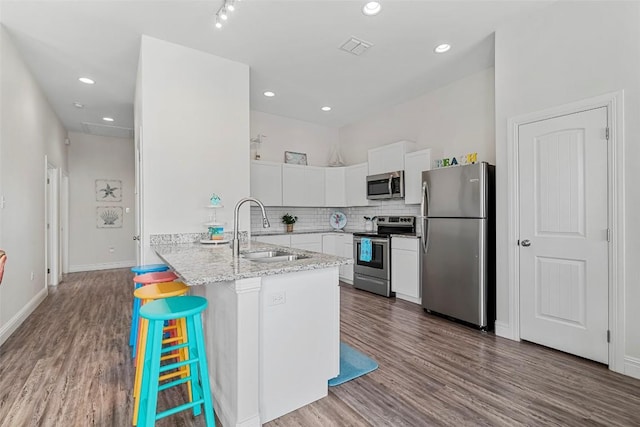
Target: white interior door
53,226
564,233
64,224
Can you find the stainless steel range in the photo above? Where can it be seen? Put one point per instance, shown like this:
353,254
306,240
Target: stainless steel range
373,273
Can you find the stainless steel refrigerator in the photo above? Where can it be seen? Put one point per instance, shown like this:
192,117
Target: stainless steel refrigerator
458,243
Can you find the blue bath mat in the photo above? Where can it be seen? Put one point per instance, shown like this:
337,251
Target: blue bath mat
352,365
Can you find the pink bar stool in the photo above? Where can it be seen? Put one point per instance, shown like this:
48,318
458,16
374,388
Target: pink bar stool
139,281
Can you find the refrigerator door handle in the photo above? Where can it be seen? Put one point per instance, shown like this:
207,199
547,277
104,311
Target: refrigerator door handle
424,239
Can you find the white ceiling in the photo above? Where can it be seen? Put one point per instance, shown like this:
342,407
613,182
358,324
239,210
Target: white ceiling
291,47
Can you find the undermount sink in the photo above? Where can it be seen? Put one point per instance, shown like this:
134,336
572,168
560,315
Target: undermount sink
272,256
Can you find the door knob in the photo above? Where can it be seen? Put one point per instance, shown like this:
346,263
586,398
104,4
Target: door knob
525,243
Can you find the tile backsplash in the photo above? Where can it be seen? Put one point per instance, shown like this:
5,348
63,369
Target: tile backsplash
318,218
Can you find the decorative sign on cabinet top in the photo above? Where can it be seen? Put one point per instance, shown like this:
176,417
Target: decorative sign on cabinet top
464,159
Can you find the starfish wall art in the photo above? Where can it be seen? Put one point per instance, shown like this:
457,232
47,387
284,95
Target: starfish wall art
108,190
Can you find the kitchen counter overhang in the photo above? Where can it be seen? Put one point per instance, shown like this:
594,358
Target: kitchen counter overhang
199,264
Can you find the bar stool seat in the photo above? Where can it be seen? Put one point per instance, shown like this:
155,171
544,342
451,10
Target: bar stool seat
189,310
160,290
149,268
155,277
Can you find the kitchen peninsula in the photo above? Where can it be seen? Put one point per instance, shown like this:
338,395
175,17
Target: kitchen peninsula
272,329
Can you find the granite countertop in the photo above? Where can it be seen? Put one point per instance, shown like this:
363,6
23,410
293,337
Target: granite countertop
276,232
199,264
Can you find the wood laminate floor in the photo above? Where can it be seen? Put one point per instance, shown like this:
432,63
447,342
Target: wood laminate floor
69,364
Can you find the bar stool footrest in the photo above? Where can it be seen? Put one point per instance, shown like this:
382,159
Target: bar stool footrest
180,408
170,366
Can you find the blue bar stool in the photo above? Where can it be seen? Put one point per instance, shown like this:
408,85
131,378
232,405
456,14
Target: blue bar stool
188,308
138,270
149,268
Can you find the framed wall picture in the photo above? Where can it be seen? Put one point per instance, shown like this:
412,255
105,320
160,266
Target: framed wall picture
108,190
109,217
294,158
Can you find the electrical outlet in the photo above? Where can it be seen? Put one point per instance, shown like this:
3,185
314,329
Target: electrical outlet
32,275
112,250
277,298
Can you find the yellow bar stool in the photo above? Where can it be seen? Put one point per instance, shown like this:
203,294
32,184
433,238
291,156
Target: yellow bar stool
177,333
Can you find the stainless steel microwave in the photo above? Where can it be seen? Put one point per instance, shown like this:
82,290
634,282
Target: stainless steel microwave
388,185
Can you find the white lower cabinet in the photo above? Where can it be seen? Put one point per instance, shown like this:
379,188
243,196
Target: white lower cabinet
405,268
340,245
346,271
307,242
281,240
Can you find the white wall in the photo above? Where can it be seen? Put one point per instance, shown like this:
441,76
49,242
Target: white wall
97,157
456,119
195,137
285,134
573,51
29,130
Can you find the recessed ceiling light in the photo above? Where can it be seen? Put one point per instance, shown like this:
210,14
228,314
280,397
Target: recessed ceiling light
269,94
218,23
108,119
442,48
371,8
326,108
78,105
230,6
86,80
223,14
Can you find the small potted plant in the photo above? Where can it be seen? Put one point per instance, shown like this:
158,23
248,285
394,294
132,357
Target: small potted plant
289,220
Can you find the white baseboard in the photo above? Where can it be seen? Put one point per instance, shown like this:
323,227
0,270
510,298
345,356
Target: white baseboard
503,330
104,266
17,320
409,298
632,367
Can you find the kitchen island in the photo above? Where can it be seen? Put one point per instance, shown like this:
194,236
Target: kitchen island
272,329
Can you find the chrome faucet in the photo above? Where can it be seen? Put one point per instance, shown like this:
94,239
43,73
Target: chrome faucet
265,223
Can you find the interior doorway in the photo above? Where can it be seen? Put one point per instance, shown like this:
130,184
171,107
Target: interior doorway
64,224
52,224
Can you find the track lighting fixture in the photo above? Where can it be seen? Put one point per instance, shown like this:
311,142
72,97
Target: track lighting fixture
223,13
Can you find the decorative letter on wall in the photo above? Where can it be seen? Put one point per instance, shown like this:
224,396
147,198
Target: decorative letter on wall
108,190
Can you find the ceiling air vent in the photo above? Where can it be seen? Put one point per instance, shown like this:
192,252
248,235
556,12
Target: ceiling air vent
355,46
107,130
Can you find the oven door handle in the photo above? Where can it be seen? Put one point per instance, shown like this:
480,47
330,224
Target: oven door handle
373,240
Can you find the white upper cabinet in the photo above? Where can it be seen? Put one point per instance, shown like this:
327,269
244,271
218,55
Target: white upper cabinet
334,187
356,185
389,158
414,164
302,185
266,182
